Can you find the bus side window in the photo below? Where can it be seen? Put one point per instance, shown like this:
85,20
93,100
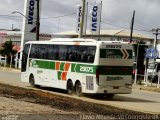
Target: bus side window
37,52
90,58
52,52
91,54
72,53
84,56
43,52
34,51
62,52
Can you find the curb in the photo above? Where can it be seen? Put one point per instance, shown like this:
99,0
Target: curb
148,88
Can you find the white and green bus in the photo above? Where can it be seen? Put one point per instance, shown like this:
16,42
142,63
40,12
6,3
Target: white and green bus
83,65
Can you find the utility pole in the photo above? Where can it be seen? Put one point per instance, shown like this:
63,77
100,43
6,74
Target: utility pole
132,24
155,32
37,22
82,19
12,27
155,47
131,35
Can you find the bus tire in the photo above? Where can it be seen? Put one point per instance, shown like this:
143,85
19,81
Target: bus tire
78,89
32,82
70,87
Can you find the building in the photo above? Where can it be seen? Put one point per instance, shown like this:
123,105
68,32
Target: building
109,35
15,37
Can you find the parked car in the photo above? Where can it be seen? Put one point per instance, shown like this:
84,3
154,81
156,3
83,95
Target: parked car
152,72
2,60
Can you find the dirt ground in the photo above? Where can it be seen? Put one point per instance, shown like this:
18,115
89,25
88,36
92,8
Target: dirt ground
149,88
24,104
20,109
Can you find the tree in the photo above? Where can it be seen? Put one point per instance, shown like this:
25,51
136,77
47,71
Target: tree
7,49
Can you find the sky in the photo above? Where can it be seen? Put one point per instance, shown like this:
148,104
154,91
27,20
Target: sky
60,15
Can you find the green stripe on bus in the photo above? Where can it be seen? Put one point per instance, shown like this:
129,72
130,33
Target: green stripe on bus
73,67
51,65
83,68
62,66
59,75
42,64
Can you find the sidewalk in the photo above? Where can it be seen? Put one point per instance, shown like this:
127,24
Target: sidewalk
147,88
9,69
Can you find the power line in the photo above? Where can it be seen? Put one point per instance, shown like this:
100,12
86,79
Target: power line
60,16
8,16
125,27
42,17
65,15
115,25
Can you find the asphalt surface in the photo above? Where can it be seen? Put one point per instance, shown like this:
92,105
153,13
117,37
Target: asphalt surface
139,100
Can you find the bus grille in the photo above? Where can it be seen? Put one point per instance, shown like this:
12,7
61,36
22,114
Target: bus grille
89,83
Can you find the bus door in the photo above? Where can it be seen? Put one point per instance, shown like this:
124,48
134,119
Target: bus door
24,64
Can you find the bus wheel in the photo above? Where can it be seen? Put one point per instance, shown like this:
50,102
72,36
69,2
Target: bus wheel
78,89
32,82
69,87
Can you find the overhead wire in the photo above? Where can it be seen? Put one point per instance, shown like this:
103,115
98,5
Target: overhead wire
60,16
125,27
65,15
108,23
42,17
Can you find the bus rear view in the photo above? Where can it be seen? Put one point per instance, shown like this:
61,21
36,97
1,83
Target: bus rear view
114,74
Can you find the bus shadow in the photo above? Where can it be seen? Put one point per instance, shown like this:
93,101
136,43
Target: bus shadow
116,98
53,90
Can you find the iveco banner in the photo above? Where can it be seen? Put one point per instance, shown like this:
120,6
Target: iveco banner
96,18
29,21
79,14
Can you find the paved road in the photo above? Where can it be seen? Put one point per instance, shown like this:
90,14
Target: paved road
11,78
139,100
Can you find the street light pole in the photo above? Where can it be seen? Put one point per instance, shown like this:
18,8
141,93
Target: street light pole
19,13
37,20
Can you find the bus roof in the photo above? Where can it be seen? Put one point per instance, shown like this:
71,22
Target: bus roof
73,40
